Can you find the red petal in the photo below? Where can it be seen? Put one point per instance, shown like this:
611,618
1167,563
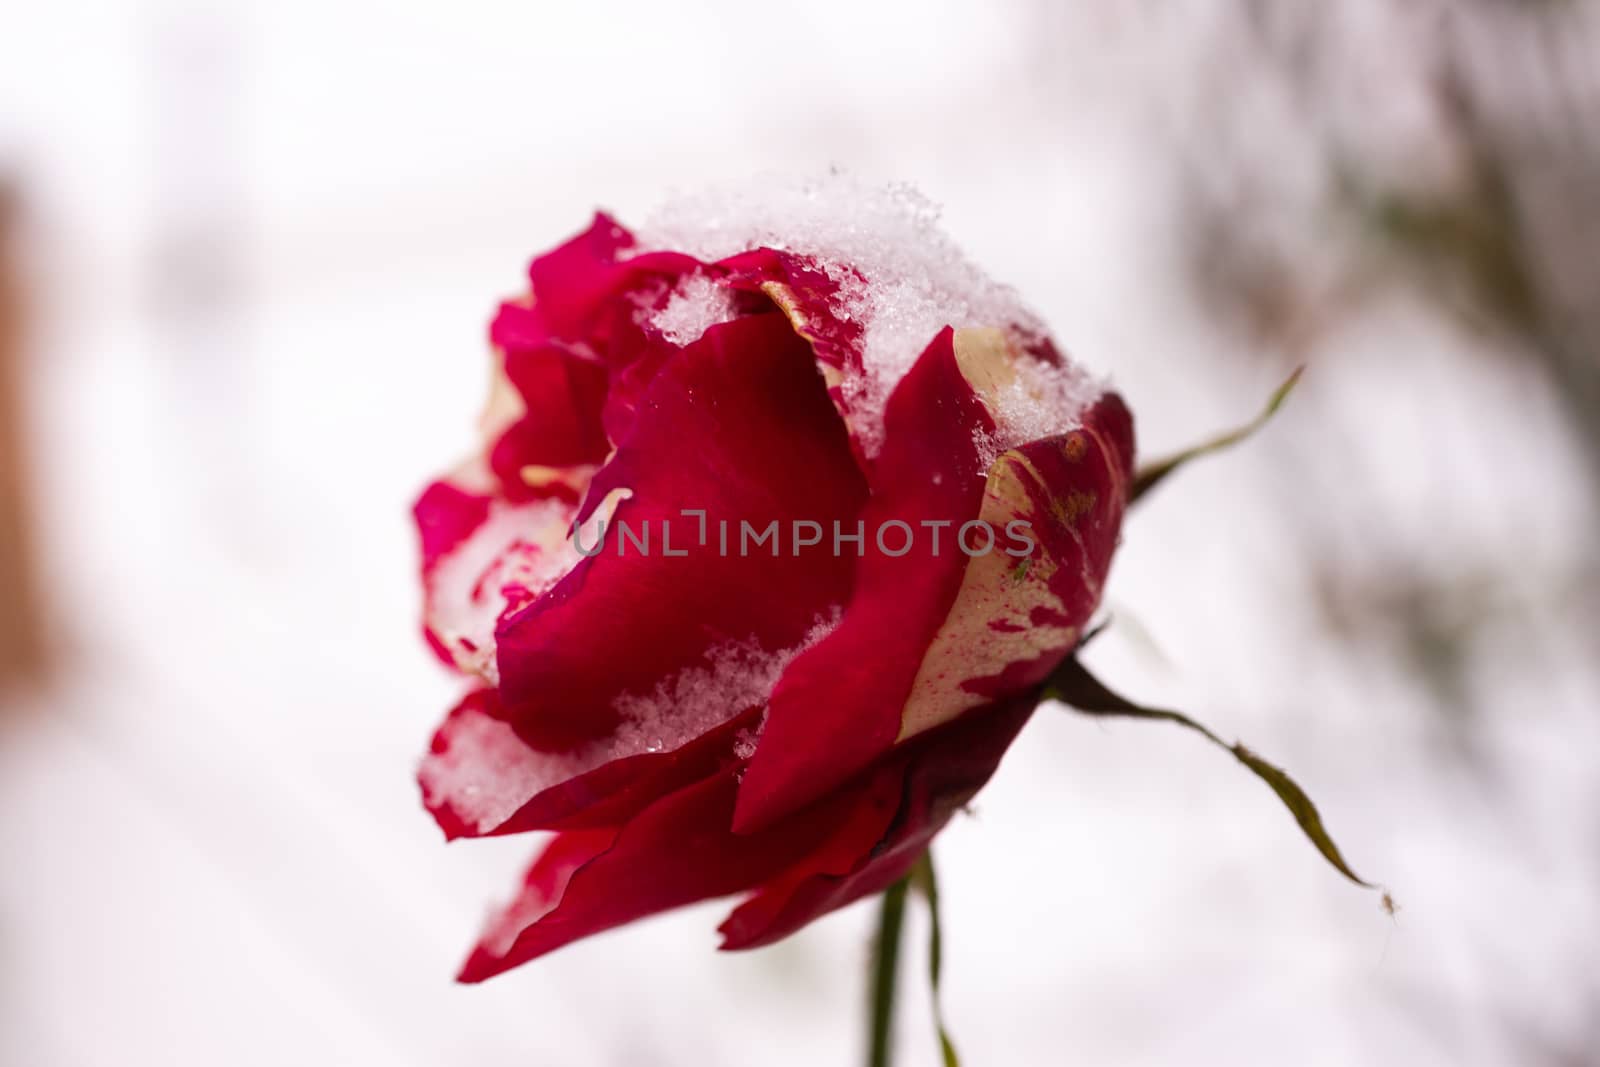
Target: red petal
446,515
806,294
1016,618
738,424
812,301
543,888
560,427
480,779
511,556
676,852
556,346
838,705
946,768
578,287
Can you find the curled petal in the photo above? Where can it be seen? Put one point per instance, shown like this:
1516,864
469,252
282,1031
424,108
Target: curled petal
511,554
934,632
560,427
813,302
447,514
945,768
586,304
676,852
480,779
838,706
543,887
736,425
1017,616
580,290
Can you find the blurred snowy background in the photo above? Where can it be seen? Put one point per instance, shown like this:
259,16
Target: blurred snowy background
251,254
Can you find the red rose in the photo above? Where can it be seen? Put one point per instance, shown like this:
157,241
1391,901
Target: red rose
695,715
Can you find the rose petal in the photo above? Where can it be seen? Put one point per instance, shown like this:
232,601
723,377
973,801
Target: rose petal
846,702
560,425
554,347
737,424
1016,618
514,555
446,515
676,852
579,289
838,706
946,768
480,779
543,887
812,302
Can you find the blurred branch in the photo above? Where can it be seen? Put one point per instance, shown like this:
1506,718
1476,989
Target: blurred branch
22,644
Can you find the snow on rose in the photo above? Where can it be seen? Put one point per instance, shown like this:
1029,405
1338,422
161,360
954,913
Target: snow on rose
695,573
795,725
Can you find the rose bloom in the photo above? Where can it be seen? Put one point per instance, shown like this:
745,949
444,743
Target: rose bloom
792,728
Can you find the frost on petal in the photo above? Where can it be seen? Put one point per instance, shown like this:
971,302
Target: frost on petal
1032,392
480,778
738,425
693,307
893,278
735,677
515,554
478,773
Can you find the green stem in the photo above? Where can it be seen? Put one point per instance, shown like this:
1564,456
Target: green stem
922,876
885,967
